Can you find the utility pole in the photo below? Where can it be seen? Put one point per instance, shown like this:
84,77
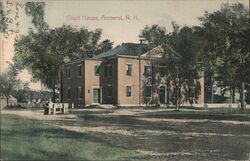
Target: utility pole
212,89
177,89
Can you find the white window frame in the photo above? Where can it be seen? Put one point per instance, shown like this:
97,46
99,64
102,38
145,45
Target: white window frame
131,95
93,87
128,68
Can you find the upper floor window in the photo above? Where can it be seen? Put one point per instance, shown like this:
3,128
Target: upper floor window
129,69
80,92
147,70
108,70
80,70
97,69
67,72
163,71
128,91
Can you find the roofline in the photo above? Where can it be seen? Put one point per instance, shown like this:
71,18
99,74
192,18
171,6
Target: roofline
79,60
131,57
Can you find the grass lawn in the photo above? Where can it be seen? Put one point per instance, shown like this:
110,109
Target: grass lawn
26,139
211,114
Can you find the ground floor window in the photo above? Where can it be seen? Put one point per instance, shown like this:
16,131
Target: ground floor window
68,93
128,91
148,91
79,92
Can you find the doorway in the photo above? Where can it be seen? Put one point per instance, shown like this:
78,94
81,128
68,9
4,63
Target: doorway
162,95
96,95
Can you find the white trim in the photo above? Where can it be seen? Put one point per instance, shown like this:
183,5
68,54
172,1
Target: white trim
92,102
126,67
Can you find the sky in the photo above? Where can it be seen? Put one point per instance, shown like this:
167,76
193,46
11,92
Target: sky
121,21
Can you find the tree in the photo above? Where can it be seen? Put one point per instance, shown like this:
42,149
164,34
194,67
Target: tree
103,46
8,82
36,10
225,41
154,35
43,51
3,20
180,53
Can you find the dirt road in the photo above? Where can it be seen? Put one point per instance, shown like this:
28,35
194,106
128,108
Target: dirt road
162,137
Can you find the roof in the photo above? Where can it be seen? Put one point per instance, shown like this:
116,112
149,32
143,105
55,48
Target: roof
130,49
159,52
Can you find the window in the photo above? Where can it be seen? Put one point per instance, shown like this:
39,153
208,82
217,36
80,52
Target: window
147,70
67,72
163,71
68,93
97,69
108,70
80,70
79,92
129,69
109,90
128,91
148,91
192,92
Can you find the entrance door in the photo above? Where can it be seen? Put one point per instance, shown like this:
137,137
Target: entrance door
162,94
96,95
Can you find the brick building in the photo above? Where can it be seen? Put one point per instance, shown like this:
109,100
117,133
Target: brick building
124,76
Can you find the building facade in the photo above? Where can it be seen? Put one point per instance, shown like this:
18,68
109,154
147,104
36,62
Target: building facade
124,76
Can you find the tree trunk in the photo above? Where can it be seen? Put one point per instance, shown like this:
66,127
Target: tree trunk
7,101
212,90
242,96
234,94
54,94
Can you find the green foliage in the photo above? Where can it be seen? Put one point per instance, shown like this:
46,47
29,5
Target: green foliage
225,41
181,53
25,139
154,35
103,46
36,10
8,82
3,20
43,51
